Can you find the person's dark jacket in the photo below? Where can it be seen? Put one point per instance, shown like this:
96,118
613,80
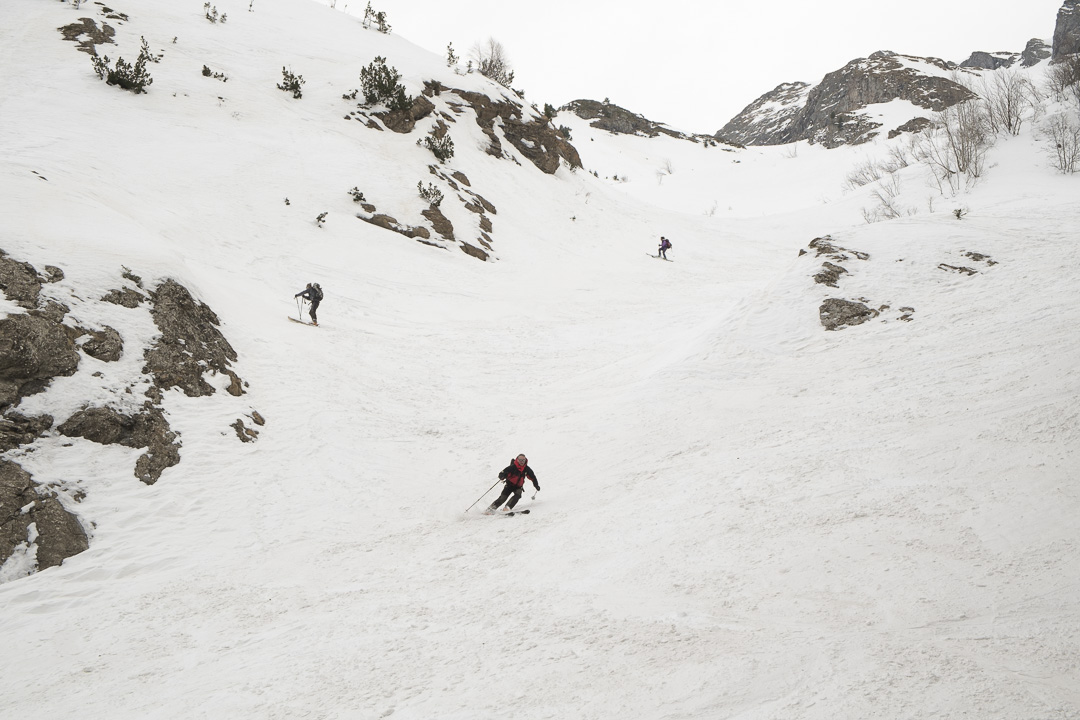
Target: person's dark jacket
310,294
516,477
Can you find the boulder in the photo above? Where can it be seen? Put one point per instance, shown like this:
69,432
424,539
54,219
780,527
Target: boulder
836,313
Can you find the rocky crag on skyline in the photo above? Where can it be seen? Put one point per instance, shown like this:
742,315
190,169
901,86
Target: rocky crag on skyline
833,112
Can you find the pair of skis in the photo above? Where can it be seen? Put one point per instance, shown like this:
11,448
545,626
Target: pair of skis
508,513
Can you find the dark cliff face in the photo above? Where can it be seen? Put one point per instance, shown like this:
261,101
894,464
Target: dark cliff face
1067,30
832,112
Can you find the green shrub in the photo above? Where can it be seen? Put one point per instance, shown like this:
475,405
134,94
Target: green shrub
291,83
125,75
379,84
430,193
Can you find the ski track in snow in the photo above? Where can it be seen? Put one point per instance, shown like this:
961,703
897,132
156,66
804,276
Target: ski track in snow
742,515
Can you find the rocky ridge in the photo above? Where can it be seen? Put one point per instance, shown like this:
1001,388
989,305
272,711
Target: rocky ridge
832,113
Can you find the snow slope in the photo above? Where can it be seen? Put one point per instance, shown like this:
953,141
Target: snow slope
741,515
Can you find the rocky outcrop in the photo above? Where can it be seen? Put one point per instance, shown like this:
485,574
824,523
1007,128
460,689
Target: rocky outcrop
836,313
403,121
980,60
190,344
17,429
34,523
913,125
619,120
1067,30
33,350
105,344
540,143
767,120
831,112
1035,52
147,429
38,342
87,34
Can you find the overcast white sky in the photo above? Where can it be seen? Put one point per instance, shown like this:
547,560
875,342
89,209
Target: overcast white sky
695,64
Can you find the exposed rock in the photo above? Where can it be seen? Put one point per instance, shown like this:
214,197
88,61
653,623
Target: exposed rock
537,141
243,432
914,125
474,251
836,313
439,222
105,344
1067,30
1036,51
461,178
615,119
388,223
766,120
127,297
148,429
824,246
958,269
56,533
20,282
190,343
403,121
829,274
53,274
33,350
93,36
829,112
990,61
17,429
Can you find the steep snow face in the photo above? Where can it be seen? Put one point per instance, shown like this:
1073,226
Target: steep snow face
741,513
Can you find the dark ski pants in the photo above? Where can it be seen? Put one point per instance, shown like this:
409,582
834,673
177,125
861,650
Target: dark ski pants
314,307
508,490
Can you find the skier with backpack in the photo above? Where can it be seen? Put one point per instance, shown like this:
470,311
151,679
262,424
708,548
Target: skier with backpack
314,294
665,245
514,476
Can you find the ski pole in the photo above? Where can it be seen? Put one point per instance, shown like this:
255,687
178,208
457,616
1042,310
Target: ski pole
299,310
482,496
534,495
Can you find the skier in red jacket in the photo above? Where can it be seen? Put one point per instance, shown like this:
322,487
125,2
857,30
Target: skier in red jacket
514,476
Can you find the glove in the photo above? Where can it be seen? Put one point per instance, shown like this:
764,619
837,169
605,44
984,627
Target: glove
537,487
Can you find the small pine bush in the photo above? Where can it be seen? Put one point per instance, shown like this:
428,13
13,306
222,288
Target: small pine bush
430,193
379,84
377,18
125,75
441,147
291,83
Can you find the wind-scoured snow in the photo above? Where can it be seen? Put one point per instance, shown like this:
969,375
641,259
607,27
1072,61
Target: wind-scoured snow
742,515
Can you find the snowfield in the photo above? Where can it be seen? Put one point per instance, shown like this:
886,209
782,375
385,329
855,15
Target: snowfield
742,515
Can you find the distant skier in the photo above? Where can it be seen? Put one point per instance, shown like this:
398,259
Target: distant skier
665,245
514,476
314,294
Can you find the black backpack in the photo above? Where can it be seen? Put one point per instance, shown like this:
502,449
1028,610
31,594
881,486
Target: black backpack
316,292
